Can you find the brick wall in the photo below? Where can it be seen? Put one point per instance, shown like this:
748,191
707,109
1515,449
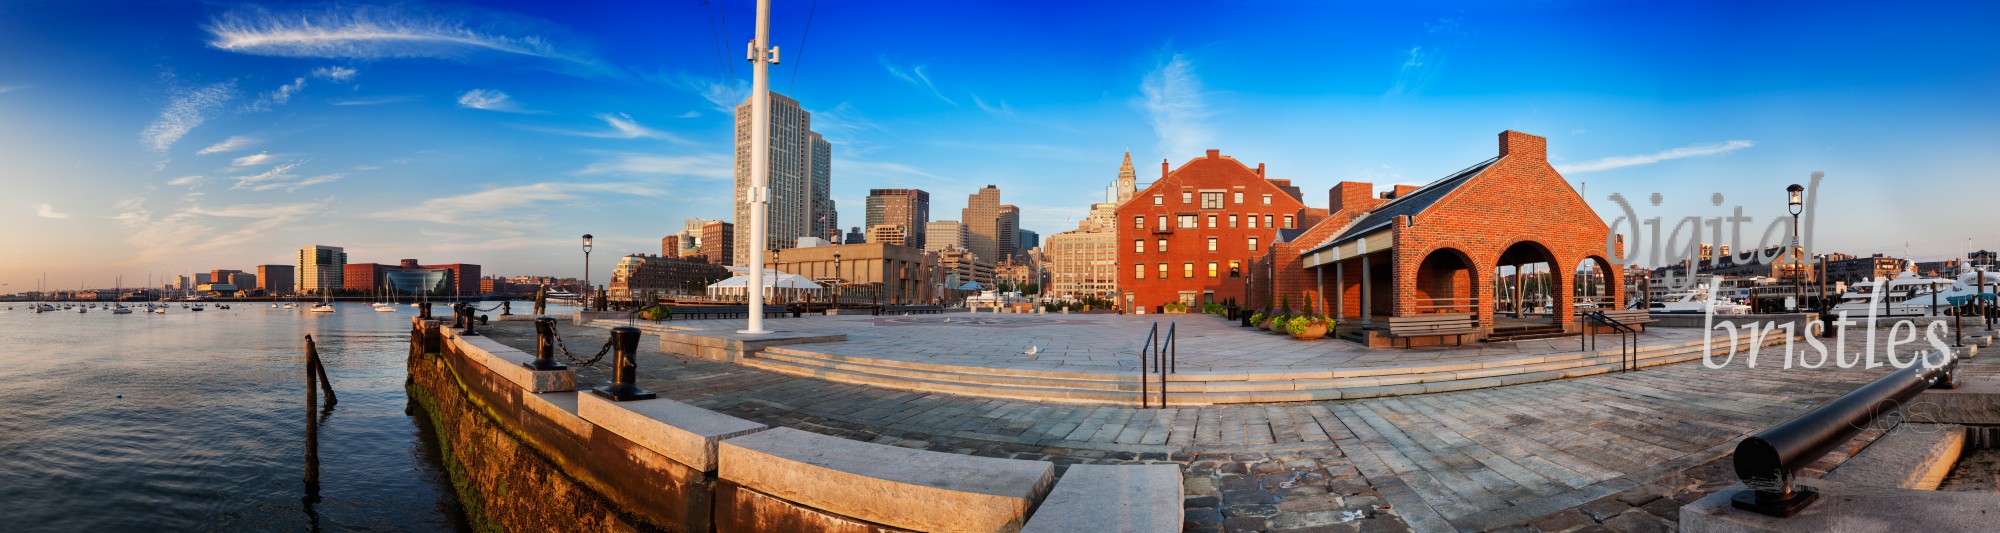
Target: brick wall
1210,173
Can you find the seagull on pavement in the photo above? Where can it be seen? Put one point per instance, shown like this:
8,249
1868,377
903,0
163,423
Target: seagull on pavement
1032,350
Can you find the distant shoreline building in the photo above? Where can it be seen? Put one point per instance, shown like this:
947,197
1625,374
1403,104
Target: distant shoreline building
321,268
906,210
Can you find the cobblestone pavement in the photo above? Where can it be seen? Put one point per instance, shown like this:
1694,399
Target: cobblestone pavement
1620,452
1110,343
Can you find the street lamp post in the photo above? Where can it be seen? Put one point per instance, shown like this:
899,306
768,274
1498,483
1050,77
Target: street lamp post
837,280
762,55
1795,201
585,297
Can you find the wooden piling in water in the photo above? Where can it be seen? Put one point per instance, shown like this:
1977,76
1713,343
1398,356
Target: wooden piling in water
312,416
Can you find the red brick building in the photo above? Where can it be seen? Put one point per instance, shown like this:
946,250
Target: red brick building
1188,237
1453,246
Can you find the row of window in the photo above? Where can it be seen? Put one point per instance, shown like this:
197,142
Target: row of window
1187,270
1193,222
1209,199
1139,245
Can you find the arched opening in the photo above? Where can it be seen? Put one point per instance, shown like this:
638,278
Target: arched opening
1524,287
1445,283
1592,287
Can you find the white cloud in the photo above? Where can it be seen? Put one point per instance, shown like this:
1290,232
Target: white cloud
231,144
290,186
277,173
48,211
340,74
4,89
1172,98
280,96
521,204
490,100
252,159
184,181
712,166
915,76
1698,150
186,110
723,94
883,170
1002,110
190,229
622,127
1420,68
377,32
690,114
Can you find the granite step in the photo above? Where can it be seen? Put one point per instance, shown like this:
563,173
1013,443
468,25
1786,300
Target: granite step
1192,389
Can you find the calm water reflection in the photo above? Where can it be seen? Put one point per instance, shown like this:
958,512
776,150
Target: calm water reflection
209,433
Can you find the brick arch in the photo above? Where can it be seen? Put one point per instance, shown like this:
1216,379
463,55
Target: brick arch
1562,305
1614,282
1460,283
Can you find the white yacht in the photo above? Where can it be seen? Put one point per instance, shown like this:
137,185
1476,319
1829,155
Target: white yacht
1908,294
1695,300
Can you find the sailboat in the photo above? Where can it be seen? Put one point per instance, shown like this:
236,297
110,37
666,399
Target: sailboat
325,304
384,307
117,307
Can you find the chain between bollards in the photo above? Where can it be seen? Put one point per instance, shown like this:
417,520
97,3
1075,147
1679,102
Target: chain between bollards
625,372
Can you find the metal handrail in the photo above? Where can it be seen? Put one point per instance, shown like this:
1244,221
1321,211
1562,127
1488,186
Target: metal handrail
1628,356
1768,461
1169,361
1146,354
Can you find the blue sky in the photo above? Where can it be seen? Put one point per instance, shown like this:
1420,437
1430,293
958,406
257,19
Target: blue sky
142,137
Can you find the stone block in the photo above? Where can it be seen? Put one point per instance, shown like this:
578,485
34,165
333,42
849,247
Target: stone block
1122,498
679,431
509,363
1974,402
899,487
1910,456
1847,508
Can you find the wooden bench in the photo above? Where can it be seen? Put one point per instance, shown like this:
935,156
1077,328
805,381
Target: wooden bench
727,311
1454,325
1636,318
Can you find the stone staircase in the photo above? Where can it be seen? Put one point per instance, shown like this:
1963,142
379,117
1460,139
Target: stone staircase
1216,387
1524,333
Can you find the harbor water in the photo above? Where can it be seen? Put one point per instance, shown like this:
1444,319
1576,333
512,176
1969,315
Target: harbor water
196,421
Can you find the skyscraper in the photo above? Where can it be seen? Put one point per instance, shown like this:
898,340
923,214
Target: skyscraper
801,176
1007,234
321,268
276,279
989,230
718,242
941,235
907,209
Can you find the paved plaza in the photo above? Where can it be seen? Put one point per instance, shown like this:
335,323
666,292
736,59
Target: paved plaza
1621,451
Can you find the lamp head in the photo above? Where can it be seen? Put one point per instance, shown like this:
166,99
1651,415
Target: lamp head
586,243
1795,198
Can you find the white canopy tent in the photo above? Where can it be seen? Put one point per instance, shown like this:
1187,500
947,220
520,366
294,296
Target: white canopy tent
778,286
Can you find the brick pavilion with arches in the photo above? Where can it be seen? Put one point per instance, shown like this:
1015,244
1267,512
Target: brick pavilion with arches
1461,253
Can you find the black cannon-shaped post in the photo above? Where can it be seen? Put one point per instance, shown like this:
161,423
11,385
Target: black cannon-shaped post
506,308
424,311
624,385
545,346
465,312
1768,462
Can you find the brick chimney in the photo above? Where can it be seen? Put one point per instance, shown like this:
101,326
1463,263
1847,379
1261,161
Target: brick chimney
1403,190
1163,168
1214,153
1350,197
1524,145
1260,170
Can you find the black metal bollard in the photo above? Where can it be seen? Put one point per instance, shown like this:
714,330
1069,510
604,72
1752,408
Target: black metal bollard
466,313
506,308
624,385
424,312
545,346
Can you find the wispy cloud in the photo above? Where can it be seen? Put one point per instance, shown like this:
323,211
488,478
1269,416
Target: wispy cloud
290,186
1698,150
185,181
376,100
490,100
884,170
186,110
1422,63
915,76
521,204
252,159
280,96
622,127
48,211
194,228
723,94
339,74
690,114
231,144
1171,95
378,32
710,166
1003,110
277,173
4,89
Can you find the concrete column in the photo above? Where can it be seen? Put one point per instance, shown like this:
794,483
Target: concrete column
1340,290
1319,282
1367,301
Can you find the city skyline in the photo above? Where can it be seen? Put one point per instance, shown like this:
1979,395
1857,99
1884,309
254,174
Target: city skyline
184,137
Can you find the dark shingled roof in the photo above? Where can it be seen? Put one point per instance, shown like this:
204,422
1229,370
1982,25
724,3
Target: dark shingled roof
1290,234
1409,204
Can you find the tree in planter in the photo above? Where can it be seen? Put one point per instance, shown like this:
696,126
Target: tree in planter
1308,326
657,313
